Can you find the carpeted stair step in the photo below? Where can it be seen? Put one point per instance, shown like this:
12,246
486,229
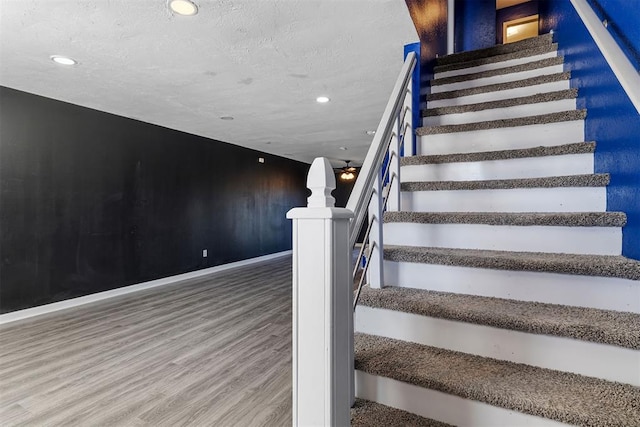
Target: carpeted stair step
366,413
535,162
534,65
525,106
500,75
589,233
586,265
564,116
497,61
501,87
558,219
586,324
542,151
590,180
561,396
543,40
504,103
572,193
569,338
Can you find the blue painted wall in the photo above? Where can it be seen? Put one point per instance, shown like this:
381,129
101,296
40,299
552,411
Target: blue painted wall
624,24
612,121
475,24
416,120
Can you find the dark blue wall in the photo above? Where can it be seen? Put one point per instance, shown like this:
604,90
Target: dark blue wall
475,24
92,201
612,121
514,12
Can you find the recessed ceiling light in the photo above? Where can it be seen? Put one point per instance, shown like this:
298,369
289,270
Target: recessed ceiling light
183,7
343,148
226,118
63,60
322,99
371,132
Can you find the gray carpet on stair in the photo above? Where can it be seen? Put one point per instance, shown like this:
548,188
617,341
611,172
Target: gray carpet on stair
524,53
586,324
371,414
556,219
561,396
503,103
563,116
533,65
586,265
545,39
556,150
591,180
547,78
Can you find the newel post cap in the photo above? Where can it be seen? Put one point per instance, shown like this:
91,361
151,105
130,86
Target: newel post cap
321,204
321,181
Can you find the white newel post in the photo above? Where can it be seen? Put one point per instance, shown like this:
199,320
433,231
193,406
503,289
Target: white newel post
322,305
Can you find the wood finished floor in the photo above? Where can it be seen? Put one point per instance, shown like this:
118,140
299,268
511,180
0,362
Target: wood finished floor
206,352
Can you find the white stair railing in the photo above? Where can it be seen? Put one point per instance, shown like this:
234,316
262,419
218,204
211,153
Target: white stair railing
623,69
323,240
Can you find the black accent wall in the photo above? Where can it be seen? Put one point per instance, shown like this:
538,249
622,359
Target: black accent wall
90,201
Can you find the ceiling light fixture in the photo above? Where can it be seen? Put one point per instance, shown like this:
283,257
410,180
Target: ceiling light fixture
370,132
183,7
342,148
226,118
348,172
63,60
322,99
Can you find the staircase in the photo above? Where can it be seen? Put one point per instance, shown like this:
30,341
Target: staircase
507,302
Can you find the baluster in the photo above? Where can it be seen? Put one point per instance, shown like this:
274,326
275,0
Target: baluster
375,276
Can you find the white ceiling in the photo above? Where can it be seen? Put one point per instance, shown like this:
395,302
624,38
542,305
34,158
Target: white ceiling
261,61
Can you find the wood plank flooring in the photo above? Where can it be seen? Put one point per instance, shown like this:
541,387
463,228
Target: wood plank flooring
205,352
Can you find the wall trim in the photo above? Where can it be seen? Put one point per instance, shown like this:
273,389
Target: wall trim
99,296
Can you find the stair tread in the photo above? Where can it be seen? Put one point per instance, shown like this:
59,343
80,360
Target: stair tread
533,65
563,116
366,413
556,395
587,324
532,81
523,53
520,153
589,180
503,103
558,219
584,265
545,39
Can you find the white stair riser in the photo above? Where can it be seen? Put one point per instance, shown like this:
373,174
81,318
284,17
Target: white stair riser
509,138
441,406
569,240
501,94
562,199
531,167
502,78
501,113
606,293
545,351
496,65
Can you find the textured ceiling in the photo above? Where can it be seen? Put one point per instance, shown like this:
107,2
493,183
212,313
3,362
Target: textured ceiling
261,61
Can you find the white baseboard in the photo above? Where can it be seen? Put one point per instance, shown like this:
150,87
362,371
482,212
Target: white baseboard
88,299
